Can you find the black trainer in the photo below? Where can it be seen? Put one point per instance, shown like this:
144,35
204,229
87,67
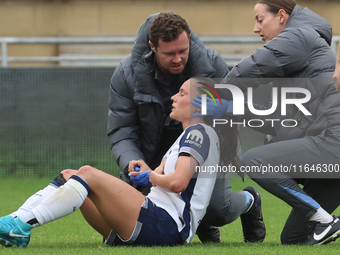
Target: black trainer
254,230
208,234
323,233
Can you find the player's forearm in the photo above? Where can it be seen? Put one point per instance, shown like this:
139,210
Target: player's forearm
179,179
167,181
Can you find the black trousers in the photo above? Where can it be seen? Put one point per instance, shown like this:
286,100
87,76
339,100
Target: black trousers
319,188
326,192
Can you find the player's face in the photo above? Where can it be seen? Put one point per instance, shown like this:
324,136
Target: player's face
181,106
171,57
267,24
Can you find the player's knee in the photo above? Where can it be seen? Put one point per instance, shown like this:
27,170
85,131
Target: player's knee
86,171
67,173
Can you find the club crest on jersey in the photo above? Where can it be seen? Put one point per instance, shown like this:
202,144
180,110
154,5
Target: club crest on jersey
194,137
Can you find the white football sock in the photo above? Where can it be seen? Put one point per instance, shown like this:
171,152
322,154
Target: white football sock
29,217
63,201
321,216
34,200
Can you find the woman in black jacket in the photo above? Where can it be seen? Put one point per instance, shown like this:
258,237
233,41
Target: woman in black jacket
305,128
297,54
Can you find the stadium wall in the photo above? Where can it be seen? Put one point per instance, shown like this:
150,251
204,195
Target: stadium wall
97,18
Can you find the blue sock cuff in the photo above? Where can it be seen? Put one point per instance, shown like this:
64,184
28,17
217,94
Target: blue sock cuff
82,181
56,183
248,197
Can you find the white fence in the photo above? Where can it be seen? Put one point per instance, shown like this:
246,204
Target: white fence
231,59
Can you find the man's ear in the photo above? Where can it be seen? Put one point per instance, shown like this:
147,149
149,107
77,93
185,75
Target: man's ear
152,46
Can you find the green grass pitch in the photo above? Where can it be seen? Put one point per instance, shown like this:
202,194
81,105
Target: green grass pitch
72,235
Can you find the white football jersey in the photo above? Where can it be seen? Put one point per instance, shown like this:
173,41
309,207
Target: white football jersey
188,207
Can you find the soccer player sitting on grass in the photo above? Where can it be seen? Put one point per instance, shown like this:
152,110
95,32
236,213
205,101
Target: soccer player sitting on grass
169,215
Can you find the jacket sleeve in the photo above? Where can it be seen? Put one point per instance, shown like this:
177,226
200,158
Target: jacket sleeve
286,54
123,122
219,65
283,56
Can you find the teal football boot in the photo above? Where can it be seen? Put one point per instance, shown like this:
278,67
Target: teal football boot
14,232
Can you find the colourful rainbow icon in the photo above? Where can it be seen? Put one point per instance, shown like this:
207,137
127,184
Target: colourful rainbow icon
209,93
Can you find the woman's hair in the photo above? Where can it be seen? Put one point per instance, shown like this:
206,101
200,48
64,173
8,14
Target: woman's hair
275,5
167,26
228,135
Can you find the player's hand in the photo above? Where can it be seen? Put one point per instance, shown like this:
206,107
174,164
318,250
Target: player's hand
143,167
213,110
141,179
139,172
